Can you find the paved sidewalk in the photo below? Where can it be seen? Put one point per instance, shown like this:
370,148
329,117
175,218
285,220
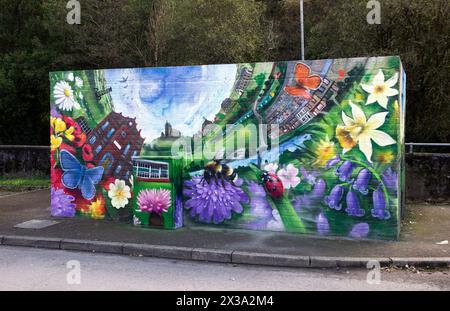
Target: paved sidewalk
424,226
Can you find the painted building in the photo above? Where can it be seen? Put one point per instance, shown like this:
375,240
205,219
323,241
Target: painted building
114,142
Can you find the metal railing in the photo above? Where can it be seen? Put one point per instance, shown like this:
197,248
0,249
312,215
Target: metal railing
410,146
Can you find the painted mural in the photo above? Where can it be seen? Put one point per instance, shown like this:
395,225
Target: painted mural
310,147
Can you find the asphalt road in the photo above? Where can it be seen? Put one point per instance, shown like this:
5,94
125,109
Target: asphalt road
38,269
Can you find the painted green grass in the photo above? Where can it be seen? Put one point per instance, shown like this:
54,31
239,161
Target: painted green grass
18,184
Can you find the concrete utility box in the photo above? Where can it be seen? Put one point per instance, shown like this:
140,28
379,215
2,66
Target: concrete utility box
312,147
157,192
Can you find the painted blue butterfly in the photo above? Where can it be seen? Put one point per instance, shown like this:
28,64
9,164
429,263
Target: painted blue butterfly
79,176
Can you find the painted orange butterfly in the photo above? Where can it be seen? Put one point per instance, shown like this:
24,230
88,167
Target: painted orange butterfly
305,81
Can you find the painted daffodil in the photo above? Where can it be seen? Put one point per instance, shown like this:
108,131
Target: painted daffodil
360,131
64,96
380,90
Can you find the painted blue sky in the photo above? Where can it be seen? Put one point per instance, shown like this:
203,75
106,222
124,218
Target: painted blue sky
180,95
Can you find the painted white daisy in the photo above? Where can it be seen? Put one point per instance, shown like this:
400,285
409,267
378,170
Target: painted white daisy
78,82
70,76
64,96
380,90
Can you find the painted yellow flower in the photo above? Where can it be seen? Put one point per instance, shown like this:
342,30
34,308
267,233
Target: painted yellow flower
385,157
325,151
69,133
55,142
380,90
360,131
396,109
97,209
59,125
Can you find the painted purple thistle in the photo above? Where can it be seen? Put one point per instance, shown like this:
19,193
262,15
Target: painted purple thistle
156,201
335,196
61,204
323,227
332,162
389,178
344,172
379,205
353,208
360,230
213,202
362,181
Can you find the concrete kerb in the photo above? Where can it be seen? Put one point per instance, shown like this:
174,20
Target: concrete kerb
218,255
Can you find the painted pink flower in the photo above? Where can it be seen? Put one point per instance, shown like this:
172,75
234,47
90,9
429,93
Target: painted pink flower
154,201
289,176
271,167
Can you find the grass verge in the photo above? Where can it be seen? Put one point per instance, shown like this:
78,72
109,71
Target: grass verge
19,184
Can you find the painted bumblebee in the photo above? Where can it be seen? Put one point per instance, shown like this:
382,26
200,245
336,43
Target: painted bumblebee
219,172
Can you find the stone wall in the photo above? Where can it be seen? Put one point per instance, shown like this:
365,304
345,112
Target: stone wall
427,174
24,160
428,177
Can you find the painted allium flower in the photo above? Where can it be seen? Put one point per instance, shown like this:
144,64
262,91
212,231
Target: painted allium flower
353,208
360,131
61,204
154,200
380,90
360,230
64,97
379,205
271,167
335,197
213,202
323,227
119,193
389,178
362,181
289,176
344,172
